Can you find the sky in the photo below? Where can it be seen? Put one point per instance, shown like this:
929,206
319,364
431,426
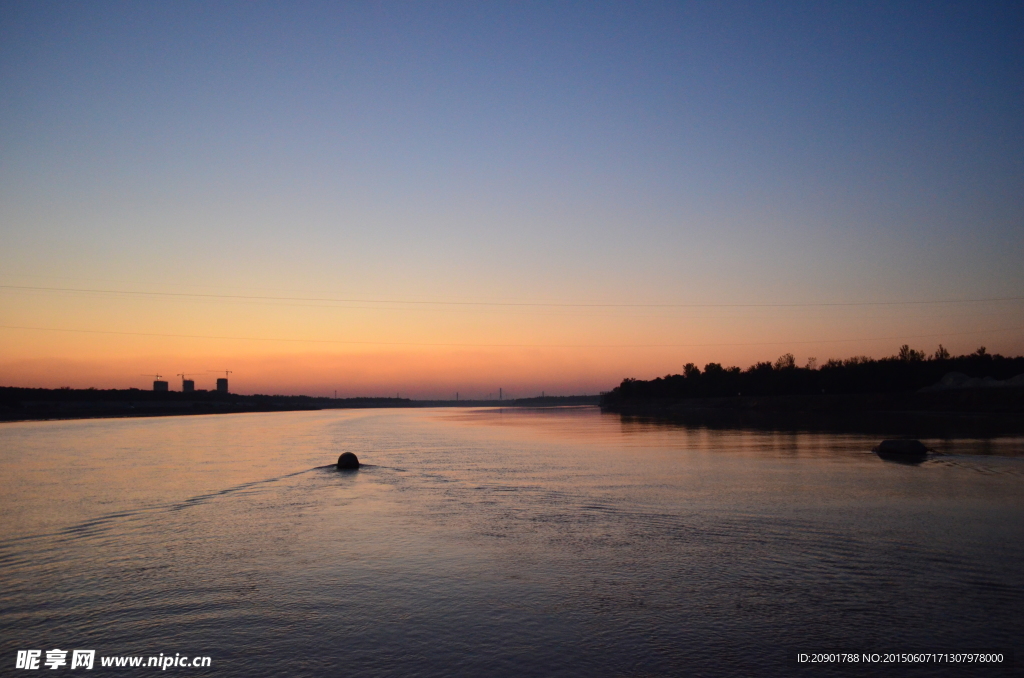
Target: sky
427,198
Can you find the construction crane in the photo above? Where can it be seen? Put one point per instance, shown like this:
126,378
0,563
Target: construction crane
157,384
187,384
222,384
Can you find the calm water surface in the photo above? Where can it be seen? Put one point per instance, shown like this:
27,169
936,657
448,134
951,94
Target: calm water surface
500,543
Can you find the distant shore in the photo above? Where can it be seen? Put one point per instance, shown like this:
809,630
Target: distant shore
981,412
909,393
40,404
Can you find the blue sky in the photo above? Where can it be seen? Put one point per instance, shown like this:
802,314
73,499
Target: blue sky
711,153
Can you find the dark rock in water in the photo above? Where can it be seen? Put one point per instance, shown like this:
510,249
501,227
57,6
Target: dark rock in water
348,461
912,451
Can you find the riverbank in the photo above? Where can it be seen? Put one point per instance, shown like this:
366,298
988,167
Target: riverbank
33,404
969,412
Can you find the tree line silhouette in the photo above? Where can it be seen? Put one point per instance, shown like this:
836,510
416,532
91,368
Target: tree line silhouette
908,370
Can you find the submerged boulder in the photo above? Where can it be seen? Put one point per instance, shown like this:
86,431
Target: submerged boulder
348,461
901,450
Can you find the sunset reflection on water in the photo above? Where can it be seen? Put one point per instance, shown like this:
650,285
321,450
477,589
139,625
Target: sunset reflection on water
500,542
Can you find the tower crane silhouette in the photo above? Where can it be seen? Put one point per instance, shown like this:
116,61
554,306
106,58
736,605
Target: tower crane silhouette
222,384
158,385
184,376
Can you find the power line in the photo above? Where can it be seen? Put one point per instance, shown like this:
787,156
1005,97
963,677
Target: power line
461,345
248,297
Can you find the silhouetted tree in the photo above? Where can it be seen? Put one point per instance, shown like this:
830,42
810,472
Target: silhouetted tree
906,371
786,361
908,354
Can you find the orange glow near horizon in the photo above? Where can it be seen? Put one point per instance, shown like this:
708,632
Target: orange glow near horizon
531,197
435,352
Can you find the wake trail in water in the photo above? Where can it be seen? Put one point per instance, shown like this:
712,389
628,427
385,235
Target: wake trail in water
97,525
987,465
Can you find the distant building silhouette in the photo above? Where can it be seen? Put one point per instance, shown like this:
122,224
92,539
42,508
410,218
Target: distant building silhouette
159,385
222,386
188,386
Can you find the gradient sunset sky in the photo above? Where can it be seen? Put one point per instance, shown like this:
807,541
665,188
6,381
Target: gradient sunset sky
424,198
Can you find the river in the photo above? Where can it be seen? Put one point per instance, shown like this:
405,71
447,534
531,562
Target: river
501,542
